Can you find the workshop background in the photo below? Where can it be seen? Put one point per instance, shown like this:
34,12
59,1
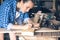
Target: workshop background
46,6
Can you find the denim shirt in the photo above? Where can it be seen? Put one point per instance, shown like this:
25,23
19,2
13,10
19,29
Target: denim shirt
8,13
22,18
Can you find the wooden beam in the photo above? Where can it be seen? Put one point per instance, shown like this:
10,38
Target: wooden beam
49,33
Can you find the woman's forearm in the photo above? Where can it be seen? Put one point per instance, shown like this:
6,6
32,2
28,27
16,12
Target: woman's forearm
27,26
18,27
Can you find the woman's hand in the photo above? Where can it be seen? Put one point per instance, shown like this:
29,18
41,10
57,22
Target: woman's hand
36,25
27,26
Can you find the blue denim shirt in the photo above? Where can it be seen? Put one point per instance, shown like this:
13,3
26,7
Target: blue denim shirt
22,18
7,13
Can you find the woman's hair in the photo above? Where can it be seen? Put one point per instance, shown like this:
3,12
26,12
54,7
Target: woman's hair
25,1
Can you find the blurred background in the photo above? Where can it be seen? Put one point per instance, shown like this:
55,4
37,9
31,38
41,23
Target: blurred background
46,6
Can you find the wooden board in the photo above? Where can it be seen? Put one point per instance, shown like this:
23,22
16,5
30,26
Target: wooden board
49,33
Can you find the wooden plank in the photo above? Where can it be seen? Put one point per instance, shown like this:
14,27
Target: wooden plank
39,38
18,30
46,30
49,33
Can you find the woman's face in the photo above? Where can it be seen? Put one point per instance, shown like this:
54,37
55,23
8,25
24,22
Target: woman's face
26,6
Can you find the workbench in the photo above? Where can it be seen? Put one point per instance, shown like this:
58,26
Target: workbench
40,34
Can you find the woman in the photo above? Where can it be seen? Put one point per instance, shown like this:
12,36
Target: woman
8,15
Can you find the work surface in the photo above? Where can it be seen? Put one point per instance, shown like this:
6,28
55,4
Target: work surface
2,30
40,32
